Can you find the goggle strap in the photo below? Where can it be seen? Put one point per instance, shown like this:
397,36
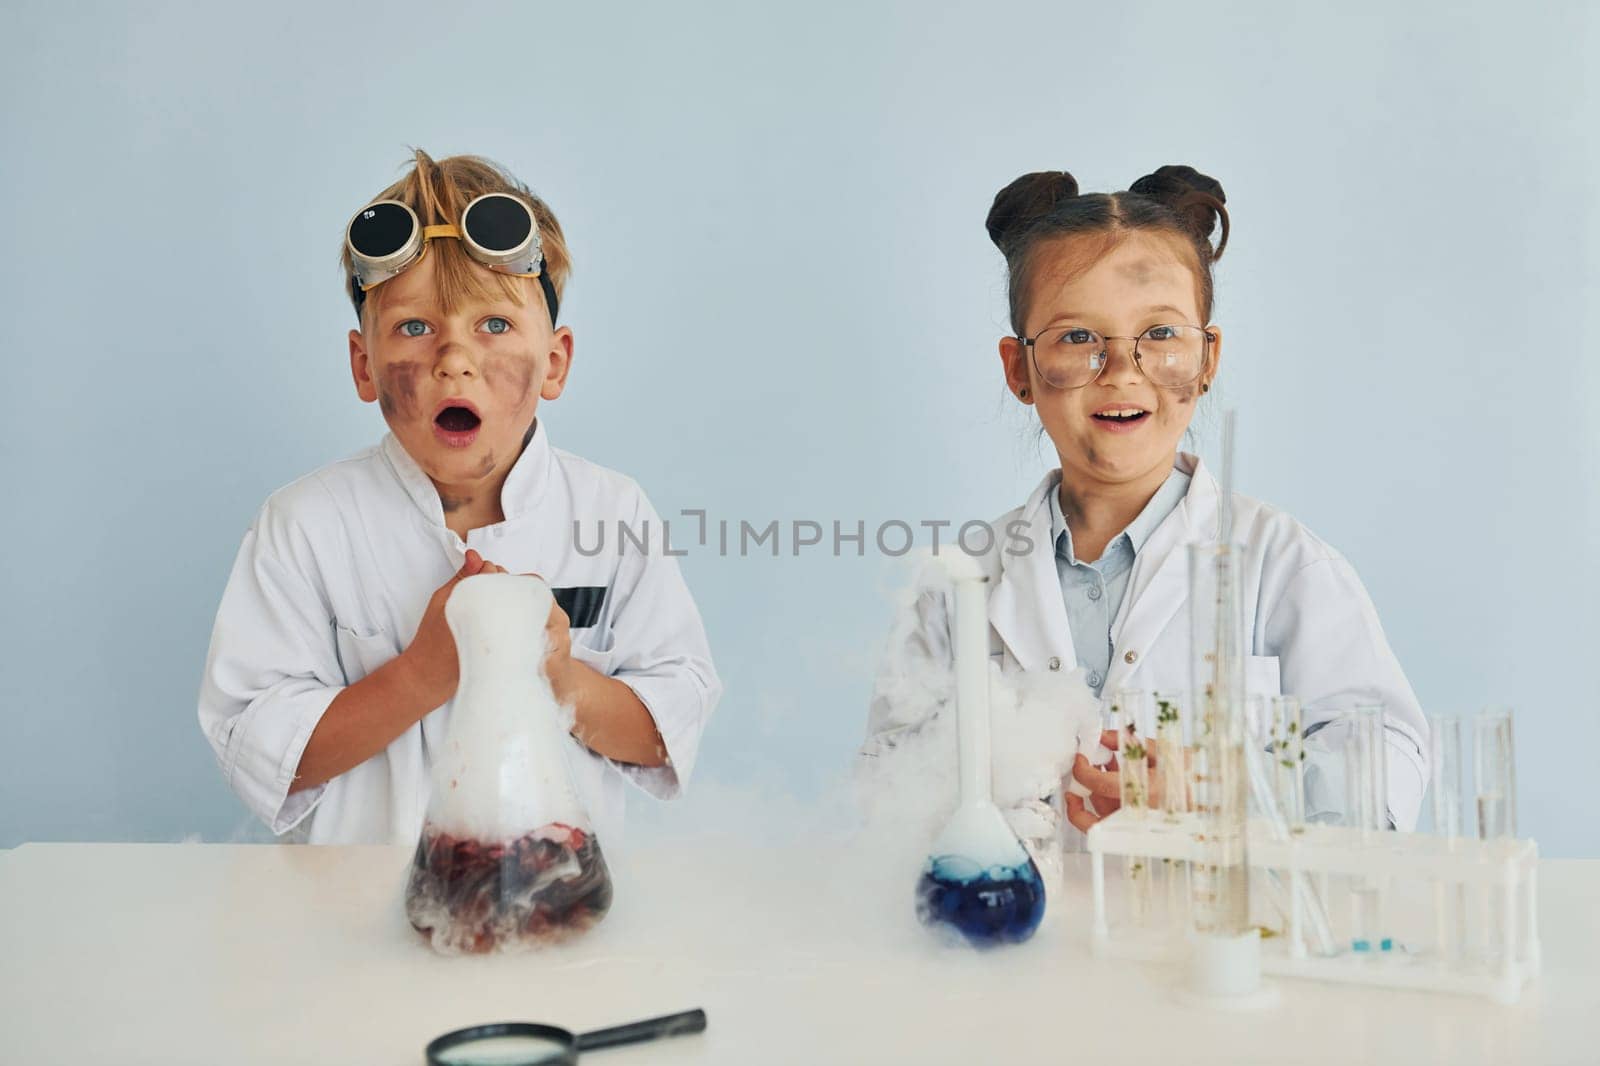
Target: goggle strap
445,230
549,292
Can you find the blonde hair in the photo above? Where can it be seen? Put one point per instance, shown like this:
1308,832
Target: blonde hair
438,192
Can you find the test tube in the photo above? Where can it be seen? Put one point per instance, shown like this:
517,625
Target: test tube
1449,787
1288,761
1366,776
1172,793
1133,755
1495,785
1133,775
1366,782
1495,779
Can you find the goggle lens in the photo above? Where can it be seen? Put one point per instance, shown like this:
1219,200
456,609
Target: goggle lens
497,223
381,230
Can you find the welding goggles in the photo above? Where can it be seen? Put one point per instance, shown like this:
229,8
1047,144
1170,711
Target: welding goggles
497,230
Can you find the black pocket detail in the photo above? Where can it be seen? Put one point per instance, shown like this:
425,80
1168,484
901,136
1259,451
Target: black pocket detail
582,604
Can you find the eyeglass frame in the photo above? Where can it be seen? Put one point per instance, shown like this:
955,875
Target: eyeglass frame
1031,343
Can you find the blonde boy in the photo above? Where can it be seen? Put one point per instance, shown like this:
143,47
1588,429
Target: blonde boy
328,683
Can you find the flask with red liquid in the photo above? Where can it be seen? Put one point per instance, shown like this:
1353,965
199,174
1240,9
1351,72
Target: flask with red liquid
508,858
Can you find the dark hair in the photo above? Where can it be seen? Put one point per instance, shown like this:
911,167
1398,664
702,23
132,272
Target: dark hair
1037,207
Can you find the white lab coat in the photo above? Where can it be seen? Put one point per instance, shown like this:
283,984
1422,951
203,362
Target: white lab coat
332,580
1310,628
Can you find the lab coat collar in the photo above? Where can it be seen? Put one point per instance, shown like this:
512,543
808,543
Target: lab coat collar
519,496
1028,612
1026,608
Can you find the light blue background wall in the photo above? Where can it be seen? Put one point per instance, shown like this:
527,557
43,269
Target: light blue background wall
786,307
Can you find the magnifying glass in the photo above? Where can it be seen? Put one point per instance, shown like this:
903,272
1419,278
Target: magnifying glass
530,1044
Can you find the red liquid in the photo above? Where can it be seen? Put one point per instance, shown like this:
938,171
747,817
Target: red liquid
467,895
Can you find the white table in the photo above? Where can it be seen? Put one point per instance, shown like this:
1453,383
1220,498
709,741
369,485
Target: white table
137,953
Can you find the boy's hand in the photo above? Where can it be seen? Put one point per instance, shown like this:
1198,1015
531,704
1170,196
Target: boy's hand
558,662
430,659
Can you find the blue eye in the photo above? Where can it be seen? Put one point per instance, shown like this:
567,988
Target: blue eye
1161,333
1078,336
420,330
496,325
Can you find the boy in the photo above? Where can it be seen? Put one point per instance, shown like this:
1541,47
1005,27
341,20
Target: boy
328,683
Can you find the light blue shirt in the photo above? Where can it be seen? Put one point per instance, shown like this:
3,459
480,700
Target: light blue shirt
1093,592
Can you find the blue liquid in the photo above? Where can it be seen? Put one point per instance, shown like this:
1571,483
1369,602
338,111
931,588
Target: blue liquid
987,905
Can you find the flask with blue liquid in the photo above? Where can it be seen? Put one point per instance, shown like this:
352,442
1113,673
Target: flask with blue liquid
979,881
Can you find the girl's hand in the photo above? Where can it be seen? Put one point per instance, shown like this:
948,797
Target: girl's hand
1105,785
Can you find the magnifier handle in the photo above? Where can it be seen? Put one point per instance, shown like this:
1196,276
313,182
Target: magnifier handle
692,1021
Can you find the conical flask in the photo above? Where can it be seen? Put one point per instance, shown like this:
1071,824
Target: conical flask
507,859
979,880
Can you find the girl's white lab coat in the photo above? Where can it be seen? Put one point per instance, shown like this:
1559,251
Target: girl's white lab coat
334,576
1310,628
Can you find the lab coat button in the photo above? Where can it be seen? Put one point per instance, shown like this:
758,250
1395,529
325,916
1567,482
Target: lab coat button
1131,658
1094,592
1094,679
1055,663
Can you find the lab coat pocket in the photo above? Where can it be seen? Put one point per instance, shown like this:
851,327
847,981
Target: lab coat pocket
599,661
359,655
1261,675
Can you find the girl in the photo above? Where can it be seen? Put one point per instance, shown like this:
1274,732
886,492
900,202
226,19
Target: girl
1110,299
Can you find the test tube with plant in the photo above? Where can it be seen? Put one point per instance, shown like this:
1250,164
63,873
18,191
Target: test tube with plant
1170,757
1288,761
1133,775
1172,794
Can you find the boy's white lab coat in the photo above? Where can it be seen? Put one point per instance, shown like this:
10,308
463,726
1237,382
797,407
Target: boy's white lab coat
333,578
1310,628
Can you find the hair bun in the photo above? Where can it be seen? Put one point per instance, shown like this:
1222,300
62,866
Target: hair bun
1025,201
1196,198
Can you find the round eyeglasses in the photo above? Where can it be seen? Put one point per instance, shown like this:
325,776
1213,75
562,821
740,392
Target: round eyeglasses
1070,357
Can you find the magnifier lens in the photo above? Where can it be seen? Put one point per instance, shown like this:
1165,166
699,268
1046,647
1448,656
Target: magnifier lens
382,229
498,223
511,1050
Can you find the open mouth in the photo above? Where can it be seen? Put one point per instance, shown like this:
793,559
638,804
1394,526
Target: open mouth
457,420
1127,416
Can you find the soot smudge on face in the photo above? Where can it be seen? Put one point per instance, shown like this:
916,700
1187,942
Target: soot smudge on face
1140,271
486,467
453,503
515,373
397,388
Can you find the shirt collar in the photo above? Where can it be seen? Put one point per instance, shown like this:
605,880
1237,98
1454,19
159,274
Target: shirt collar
520,494
1162,504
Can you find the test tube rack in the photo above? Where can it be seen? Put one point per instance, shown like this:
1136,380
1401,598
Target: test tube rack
1495,873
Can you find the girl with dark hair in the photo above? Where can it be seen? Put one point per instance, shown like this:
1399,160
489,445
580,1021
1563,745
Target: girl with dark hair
1114,346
